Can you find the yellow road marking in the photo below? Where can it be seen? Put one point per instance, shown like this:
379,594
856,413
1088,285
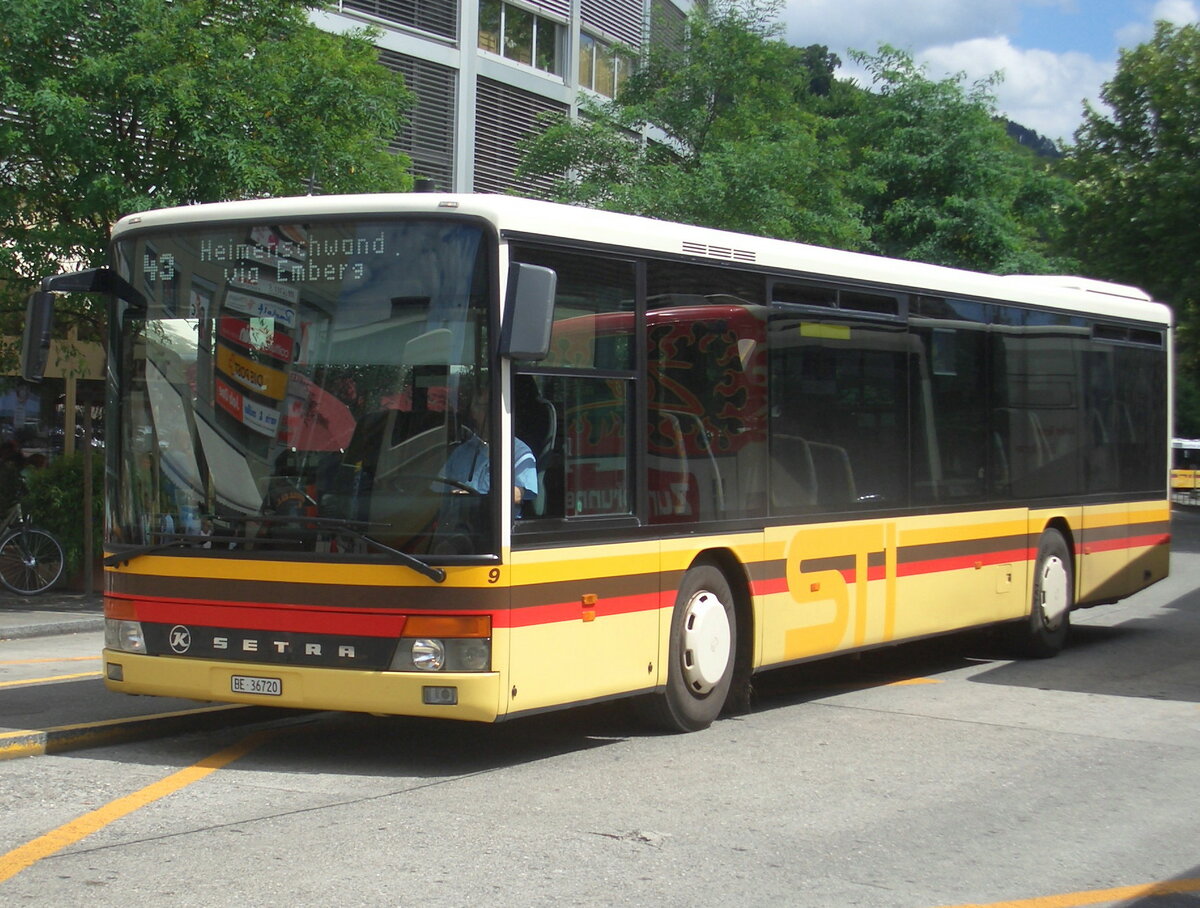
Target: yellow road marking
1096,896
29,742
51,678
907,681
51,659
69,833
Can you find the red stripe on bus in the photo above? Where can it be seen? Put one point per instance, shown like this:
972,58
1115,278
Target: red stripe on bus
1128,542
963,562
557,612
266,617
769,586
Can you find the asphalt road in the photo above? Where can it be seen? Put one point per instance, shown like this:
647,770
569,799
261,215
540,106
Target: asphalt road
932,774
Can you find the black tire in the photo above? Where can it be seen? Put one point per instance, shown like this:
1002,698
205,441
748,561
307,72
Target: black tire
1044,633
703,651
31,561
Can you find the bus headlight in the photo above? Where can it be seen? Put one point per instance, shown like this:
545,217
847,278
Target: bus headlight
428,655
445,643
473,655
124,636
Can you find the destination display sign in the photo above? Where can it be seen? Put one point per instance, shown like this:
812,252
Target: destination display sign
271,260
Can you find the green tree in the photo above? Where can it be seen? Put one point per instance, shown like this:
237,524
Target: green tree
1137,166
118,106
943,182
52,497
724,130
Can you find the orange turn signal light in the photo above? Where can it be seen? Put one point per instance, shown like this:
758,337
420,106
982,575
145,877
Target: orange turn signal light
448,626
120,609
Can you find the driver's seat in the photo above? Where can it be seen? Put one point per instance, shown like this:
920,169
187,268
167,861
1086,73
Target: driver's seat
535,422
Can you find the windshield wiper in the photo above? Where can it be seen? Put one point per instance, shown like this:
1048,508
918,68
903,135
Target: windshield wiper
353,529
193,540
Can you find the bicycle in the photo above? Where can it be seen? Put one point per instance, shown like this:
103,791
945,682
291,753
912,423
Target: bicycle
31,559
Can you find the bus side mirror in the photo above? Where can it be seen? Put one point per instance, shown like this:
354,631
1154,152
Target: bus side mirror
529,313
35,341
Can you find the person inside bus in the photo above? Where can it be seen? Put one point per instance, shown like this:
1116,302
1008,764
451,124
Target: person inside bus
469,462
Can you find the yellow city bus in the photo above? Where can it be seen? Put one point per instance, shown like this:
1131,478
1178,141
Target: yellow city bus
1185,470
478,457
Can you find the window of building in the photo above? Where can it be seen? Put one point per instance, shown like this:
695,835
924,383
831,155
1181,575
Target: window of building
520,35
602,67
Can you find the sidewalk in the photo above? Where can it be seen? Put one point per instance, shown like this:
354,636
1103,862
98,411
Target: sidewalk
55,612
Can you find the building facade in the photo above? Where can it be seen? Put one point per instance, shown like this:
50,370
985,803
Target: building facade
483,71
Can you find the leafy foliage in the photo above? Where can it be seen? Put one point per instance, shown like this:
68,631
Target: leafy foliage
946,183
735,141
52,497
1137,167
737,129
118,106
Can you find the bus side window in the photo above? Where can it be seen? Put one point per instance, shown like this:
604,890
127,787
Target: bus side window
839,413
950,420
576,421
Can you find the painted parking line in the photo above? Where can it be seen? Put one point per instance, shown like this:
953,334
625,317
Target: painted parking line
31,742
1096,896
69,833
4,662
49,679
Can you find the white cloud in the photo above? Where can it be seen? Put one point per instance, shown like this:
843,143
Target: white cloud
1041,90
1177,12
863,24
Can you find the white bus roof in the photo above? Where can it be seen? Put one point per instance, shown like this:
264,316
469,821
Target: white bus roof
515,215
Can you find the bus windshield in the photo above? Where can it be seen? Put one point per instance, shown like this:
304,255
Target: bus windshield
300,387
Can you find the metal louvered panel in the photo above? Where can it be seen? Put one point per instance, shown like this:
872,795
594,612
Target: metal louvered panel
428,136
437,16
504,116
691,247
620,18
560,8
668,24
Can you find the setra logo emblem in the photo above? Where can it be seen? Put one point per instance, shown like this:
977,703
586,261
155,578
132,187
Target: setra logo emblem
180,639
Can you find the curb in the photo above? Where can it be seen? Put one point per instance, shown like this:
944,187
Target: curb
53,628
36,742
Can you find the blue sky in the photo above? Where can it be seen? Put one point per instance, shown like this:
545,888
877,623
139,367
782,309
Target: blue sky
1054,53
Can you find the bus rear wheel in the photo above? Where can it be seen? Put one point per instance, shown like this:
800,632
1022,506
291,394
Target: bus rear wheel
702,653
1044,632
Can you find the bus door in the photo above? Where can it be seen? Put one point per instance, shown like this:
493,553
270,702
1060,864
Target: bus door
585,596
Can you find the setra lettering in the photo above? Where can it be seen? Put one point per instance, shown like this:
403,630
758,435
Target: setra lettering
263,645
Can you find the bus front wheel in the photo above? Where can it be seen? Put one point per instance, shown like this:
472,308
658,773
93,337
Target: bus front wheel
702,653
1045,630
